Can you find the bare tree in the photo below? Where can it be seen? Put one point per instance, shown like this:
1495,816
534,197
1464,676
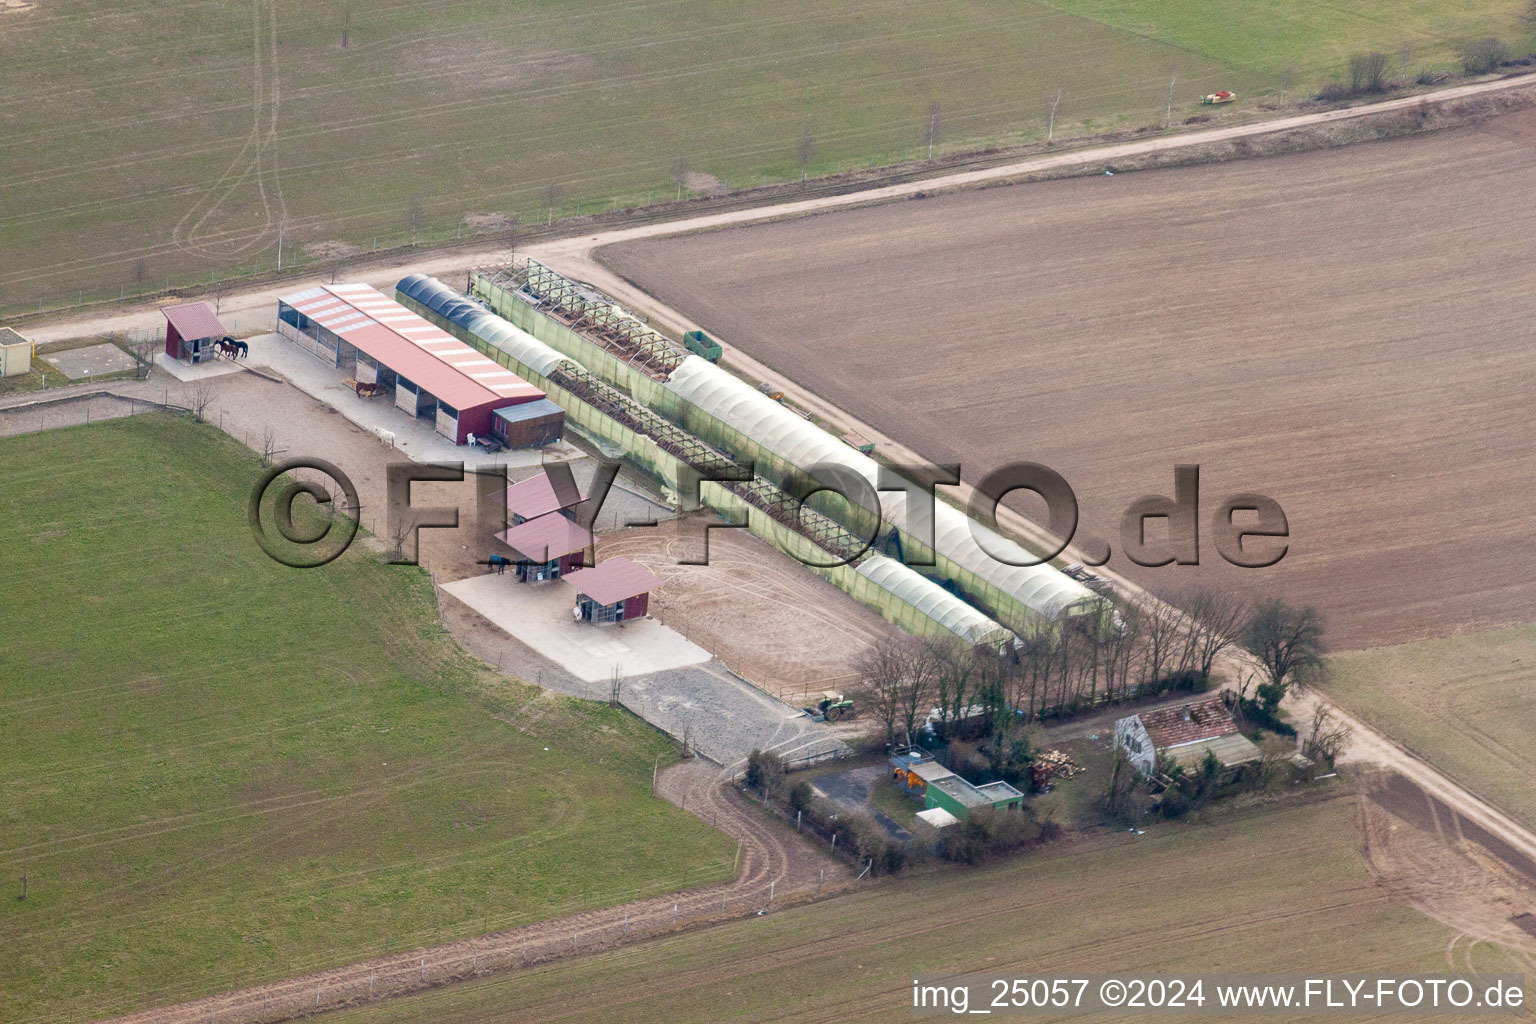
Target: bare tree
680,175
917,687
805,149
551,196
1161,629
1287,640
1484,56
1123,648
415,213
882,666
1173,81
268,445
140,273
956,666
401,527
346,27
1405,62
1287,80
1367,72
199,399
615,687
1328,736
1050,126
933,127
1038,663
1217,621
899,673
144,351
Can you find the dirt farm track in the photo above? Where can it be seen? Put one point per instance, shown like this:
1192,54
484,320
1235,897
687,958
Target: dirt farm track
1347,331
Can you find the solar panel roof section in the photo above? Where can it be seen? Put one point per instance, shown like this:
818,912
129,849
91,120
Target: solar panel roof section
423,353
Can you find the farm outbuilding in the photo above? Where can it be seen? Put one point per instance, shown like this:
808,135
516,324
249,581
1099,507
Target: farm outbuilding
431,374
548,547
960,798
529,425
191,329
1185,732
615,590
541,495
942,789
15,353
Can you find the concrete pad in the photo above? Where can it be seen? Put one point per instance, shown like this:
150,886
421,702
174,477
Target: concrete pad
540,617
92,360
196,371
416,438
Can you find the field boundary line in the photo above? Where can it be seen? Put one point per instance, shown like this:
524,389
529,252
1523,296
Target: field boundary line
743,207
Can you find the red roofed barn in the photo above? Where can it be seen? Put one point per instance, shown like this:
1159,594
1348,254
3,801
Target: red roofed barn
433,374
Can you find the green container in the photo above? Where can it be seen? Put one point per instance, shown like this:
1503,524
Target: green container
701,344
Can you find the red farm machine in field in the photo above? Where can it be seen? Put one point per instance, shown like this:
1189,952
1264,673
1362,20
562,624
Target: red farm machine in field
1224,96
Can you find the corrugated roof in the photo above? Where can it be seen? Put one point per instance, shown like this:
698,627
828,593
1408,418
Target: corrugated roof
532,353
536,409
194,321
980,550
423,353
536,497
614,579
1231,749
546,538
1188,723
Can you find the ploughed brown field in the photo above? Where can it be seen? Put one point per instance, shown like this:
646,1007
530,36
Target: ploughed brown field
1351,332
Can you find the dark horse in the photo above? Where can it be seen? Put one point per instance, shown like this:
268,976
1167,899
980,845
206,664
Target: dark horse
234,349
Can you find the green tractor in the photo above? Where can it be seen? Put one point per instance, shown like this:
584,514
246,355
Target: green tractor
831,707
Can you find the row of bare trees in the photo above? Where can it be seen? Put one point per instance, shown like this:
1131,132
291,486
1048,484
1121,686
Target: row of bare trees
1169,644
1174,643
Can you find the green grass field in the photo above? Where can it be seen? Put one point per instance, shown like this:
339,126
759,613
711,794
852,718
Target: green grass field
219,770
1268,890
1464,703
1311,40
171,143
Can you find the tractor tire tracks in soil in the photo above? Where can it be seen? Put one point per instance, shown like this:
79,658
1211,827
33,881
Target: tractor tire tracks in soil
775,867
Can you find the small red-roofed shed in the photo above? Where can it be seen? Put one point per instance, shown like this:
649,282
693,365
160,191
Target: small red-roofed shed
191,330
542,494
615,590
548,547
